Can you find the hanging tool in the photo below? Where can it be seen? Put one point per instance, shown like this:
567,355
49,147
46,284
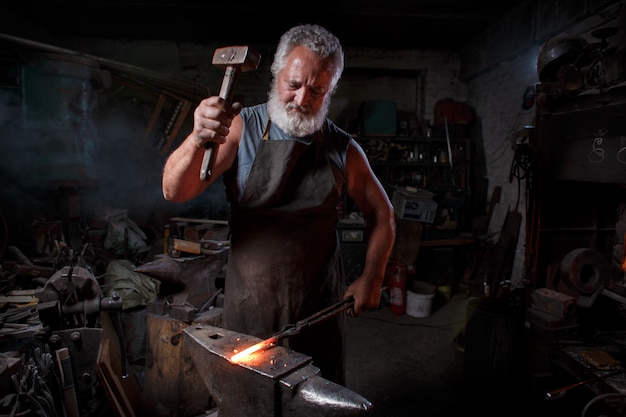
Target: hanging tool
235,59
293,329
445,121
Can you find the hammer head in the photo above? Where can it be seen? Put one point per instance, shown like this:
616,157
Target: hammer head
240,56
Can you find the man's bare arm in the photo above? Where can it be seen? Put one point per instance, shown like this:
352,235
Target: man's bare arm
372,200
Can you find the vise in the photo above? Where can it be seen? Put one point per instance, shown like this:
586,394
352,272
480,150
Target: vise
272,382
71,306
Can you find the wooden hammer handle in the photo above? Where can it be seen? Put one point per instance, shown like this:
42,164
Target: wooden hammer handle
226,92
208,160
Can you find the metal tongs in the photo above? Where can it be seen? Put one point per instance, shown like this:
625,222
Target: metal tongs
293,329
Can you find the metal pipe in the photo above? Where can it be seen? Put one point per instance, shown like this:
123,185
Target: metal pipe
560,392
186,88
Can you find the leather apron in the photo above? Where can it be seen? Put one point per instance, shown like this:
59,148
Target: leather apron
284,262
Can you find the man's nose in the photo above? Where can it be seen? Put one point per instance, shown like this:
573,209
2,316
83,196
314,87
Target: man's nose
302,96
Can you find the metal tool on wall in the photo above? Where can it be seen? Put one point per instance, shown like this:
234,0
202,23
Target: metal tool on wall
445,121
235,59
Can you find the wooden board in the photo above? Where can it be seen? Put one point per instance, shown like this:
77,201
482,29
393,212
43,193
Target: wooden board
123,393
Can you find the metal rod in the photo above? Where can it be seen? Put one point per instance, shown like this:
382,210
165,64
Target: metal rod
560,392
445,121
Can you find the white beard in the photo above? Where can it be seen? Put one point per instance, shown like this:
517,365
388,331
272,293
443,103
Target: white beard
296,124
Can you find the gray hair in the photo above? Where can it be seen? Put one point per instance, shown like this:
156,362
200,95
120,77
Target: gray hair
315,38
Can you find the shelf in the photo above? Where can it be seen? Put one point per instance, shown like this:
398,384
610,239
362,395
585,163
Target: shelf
401,161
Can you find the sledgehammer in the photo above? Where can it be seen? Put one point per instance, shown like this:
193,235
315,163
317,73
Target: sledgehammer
235,59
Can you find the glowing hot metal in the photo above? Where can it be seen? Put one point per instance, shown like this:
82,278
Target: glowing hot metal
244,354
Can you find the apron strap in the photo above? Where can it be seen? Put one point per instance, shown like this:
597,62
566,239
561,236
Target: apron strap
266,132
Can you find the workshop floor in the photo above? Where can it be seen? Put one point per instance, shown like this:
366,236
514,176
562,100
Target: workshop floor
407,366
438,366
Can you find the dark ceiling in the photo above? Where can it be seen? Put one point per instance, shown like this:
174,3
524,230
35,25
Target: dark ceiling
391,24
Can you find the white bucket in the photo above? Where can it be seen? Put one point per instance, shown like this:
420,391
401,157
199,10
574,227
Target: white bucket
419,299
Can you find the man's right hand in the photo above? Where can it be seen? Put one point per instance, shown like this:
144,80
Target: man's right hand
212,120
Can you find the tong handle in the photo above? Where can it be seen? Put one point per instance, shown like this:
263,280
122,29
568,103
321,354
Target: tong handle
326,313
293,329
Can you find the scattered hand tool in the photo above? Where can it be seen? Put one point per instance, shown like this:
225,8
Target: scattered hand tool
293,329
560,392
235,59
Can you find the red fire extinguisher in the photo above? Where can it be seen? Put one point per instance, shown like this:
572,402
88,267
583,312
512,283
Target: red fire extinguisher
397,288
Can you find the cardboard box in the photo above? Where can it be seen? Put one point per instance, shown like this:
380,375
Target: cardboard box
410,206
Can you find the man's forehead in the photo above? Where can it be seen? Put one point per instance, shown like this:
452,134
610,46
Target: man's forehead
310,70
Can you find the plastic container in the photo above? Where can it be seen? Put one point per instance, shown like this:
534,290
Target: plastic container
419,299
